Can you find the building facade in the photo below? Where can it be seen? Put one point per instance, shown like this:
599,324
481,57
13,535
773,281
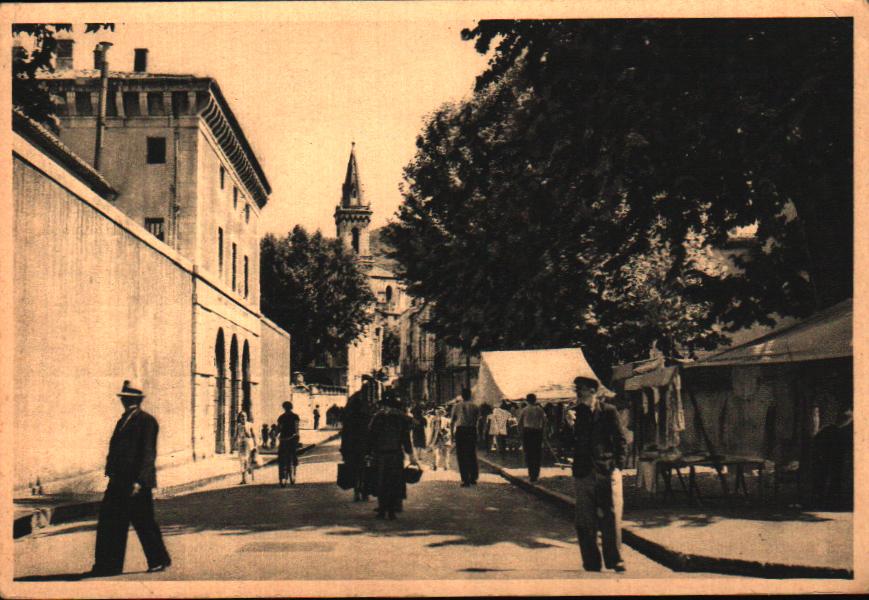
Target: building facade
182,283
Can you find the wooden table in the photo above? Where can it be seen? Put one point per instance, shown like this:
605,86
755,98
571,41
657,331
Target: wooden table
738,465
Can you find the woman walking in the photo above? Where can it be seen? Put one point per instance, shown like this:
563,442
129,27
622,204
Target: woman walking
418,430
245,441
354,440
389,440
441,440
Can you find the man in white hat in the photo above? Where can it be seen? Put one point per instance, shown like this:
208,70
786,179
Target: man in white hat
128,497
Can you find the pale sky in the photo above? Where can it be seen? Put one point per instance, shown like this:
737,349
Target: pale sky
303,91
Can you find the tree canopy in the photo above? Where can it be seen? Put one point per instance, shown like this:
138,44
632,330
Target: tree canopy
313,287
29,94
586,192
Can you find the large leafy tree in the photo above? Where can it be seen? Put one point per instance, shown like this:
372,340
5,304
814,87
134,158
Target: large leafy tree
29,94
577,196
313,287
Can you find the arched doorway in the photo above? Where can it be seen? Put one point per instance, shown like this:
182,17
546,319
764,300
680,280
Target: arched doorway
233,391
220,394
245,381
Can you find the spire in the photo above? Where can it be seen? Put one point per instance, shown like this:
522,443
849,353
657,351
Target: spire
351,191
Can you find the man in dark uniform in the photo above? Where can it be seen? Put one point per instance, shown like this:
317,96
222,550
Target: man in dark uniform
599,455
128,497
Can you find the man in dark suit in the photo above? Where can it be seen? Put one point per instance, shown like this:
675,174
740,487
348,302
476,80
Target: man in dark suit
599,455
128,497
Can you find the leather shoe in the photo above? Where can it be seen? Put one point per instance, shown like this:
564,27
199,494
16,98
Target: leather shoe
620,568
160,567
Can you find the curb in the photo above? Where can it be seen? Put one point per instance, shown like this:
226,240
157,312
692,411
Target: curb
682,561
64,513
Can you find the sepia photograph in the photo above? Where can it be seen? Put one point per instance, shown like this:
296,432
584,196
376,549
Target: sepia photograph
432,298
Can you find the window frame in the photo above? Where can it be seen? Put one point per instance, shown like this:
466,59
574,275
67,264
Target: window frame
151,221
148,150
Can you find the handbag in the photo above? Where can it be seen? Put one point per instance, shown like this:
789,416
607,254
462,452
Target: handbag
345,477
412,473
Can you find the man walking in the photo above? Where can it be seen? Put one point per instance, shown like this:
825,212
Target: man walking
464,419
531,423
288,434
316,417
600,446
128,497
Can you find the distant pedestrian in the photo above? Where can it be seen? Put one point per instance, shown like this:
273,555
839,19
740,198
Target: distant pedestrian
600,447
532,421
128,497
317,417
265,435
273,436
288,431
418,430
500,418
464,418
389,440
245,443
354,439
441,440
483,426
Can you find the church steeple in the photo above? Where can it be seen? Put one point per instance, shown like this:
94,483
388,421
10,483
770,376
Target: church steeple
351,191
353,214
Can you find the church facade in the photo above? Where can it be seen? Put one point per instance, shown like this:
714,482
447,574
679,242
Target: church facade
353,228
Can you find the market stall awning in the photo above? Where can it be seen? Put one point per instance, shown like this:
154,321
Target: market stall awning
512,374
825,335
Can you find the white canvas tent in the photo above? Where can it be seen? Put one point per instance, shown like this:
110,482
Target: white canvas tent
512,374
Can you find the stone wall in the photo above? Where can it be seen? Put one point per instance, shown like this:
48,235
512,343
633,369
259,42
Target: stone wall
95,302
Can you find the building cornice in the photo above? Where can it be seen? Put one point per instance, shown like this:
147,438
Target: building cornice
210,104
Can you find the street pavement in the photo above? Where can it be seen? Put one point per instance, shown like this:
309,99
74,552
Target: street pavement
313,531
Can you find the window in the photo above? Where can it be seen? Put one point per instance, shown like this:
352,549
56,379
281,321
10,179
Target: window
234,197
131,104
83,105
355,240
222,176
112,104
155,226
155,104
64,54
220,250
156,150
388,294
247,213
234,252
180,104
246,270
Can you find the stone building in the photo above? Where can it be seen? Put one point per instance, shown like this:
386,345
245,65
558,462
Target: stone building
352,221
157,281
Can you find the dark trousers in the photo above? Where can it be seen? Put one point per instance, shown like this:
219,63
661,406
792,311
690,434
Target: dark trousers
599,505
287,457
466,454
117,511
532,443
316,422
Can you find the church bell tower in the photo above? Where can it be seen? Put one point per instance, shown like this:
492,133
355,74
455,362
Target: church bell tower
353,214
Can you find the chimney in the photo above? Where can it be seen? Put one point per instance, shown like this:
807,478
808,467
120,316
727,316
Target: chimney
140,62
102,60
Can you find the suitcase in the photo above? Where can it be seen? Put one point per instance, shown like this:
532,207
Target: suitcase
345,477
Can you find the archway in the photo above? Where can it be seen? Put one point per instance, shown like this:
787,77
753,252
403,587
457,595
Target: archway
245,381
233,392
220,394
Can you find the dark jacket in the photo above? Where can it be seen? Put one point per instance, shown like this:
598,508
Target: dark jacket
600,440
389,432
133,450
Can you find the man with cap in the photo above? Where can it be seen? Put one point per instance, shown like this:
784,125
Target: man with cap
600,447
128,497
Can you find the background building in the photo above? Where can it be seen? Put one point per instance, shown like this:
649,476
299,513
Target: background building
156,281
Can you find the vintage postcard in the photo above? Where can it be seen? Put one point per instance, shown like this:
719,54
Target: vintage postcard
433,298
